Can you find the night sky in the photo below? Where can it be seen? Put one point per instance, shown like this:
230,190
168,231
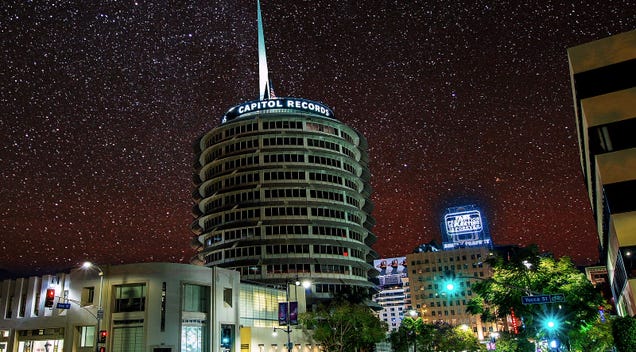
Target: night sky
461,104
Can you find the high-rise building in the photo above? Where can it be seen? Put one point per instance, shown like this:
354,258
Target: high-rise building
283,193
393,296
430,272
604,90
415,285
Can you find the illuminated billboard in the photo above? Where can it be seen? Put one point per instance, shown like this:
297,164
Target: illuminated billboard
463,222
302,105
464,227
392,270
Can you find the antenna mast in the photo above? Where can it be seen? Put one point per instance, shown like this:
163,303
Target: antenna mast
263,77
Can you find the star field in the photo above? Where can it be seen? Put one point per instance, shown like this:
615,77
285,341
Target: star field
461,104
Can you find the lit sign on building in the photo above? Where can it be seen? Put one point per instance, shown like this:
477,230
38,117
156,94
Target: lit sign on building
468,221
303,105
464,227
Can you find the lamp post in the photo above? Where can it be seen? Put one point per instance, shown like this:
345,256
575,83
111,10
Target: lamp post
288,331
288,328
100,309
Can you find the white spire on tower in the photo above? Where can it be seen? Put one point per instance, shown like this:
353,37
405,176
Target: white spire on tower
263,76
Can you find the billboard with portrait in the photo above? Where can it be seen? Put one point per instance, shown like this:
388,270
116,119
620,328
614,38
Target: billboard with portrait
392,270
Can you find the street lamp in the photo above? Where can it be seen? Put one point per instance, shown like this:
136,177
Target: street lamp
100,310
286,330
287,304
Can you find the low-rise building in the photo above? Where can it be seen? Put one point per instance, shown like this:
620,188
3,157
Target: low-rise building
157,307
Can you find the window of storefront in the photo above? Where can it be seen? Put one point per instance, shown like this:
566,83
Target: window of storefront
192,337
195,298
130,298
128,339
87,336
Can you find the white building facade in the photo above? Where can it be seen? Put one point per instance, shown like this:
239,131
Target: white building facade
147,307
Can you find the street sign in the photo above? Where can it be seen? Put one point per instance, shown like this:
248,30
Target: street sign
63,306
556,298
538,299
100,314
542,299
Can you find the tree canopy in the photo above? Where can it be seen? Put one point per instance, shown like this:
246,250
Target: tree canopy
526,273
438,336
624,331
342,326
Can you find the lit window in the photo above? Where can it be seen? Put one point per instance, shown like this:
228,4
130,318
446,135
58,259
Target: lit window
87,336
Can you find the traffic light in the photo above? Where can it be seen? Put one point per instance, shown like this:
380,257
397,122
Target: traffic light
450,286
449,282
551,323
50,297
103,334
102,349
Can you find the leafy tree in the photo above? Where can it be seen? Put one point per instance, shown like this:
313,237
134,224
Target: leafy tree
402,339
449,338
439,336
624,331
526,273
421,333
343,327
510,343
593,337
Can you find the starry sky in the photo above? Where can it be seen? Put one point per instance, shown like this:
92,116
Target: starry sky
461,102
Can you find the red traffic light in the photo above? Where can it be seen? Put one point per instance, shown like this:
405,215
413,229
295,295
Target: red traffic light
50,297
103,334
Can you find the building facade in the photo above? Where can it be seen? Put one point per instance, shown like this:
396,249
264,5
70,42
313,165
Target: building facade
282,192
261,330
394,303
428,274
393,296
146,307
604,91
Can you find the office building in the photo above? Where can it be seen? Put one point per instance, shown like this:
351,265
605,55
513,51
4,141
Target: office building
414,285
144,307
604,91
428,274
282,192
393,296
156,307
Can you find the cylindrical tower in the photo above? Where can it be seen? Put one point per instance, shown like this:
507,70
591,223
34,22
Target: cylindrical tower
282,192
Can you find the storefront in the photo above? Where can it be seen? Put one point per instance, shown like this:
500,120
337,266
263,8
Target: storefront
41,340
